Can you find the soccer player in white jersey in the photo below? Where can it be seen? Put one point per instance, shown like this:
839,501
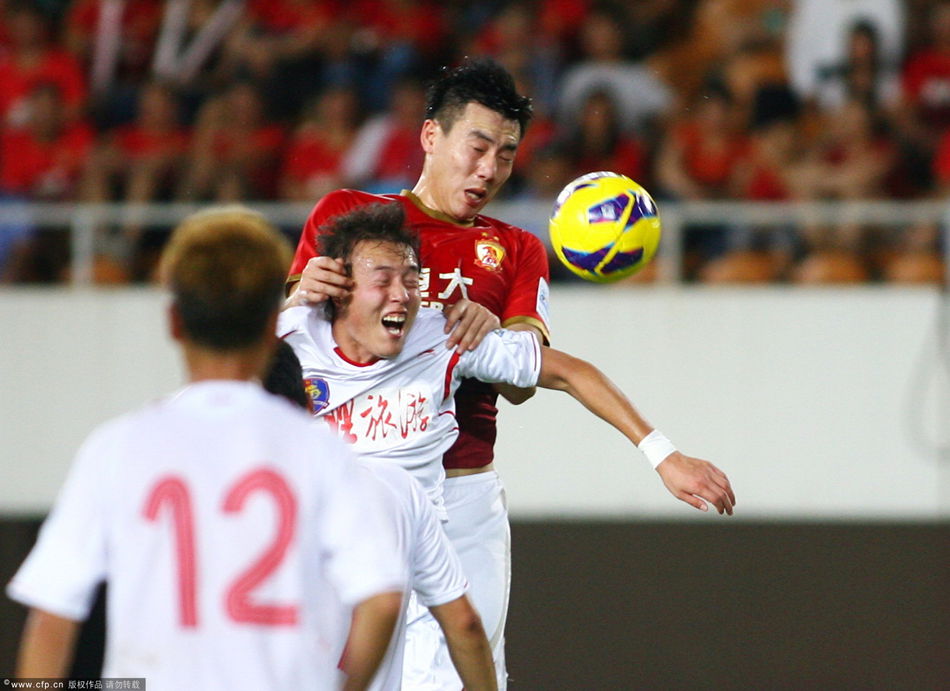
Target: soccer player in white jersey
231,531
435,571
378,370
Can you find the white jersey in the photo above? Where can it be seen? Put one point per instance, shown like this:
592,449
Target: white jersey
229,528
402,410
434,569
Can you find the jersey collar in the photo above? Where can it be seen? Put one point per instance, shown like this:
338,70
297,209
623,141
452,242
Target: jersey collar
429,211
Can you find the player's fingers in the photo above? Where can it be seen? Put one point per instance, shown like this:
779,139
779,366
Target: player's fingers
475,331
693,500
720,498
722,483
453,315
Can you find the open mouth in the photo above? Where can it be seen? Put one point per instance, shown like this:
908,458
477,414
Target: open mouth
475,196
394,323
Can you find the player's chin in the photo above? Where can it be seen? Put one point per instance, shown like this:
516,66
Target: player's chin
391,343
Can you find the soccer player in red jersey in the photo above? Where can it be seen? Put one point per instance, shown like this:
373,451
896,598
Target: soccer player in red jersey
475,120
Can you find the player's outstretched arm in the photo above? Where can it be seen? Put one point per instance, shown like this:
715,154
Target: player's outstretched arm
322,278
47,645
691,480
371,629
468,644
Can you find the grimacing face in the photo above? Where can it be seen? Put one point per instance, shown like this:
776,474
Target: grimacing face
374,322
467,165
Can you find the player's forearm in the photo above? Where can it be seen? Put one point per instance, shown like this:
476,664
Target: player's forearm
371,630
594,390
47,645
468,645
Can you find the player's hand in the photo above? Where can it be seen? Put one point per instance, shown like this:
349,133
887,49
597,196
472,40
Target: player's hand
692,480
322,278
468,323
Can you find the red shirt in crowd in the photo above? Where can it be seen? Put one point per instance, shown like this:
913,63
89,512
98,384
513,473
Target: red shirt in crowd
44,170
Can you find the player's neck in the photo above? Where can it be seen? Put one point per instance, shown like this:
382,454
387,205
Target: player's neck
349,348
422,196
244,365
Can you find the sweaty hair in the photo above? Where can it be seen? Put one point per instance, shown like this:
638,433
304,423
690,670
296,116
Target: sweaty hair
481,81
373,223
285,376
226,268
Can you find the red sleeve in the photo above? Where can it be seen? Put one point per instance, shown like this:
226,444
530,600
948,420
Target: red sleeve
528,296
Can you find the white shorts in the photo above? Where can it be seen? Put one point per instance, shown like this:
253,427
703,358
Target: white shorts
478,529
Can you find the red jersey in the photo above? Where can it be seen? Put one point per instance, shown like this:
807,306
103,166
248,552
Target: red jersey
497,265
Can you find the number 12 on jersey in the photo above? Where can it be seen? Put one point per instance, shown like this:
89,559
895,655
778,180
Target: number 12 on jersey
172,495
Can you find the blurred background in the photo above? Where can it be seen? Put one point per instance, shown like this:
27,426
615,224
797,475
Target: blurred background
793,327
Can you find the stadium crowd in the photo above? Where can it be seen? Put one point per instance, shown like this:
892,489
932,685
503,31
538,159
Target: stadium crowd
208,100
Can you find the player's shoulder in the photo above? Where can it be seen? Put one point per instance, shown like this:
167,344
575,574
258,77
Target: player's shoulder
300,319
510,234
428,331
501,226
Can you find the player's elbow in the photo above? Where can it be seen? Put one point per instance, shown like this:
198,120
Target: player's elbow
558,369
515,395
459,620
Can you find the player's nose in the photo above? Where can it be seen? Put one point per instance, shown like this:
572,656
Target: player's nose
399,292
487,168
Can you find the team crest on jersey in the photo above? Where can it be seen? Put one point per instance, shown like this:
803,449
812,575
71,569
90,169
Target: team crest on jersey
318,391
489,254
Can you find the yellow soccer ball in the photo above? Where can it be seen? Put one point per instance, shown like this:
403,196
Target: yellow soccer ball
604,227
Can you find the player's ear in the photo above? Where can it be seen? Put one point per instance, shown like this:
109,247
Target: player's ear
428,135
176,325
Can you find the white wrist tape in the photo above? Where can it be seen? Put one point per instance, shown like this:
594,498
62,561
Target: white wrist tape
656,447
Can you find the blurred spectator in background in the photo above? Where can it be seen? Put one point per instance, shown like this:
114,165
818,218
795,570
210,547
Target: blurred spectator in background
236,149
393,38
863,73
277,44
701,148
141,161
30,58
385,155
552,169
851,160
817,42
926,78
640,94
597,141
925,115
43,159
40,161
742,38
697,160
137,163
517,39
766,172
114,41
313,163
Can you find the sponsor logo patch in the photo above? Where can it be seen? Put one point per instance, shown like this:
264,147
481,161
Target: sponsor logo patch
489,254
318,391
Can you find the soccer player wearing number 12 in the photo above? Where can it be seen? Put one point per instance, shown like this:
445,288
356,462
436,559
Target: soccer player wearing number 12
232,532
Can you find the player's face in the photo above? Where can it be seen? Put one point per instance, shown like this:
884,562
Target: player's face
383,304
467,165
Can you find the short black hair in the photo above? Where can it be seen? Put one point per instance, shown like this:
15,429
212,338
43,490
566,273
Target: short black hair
479,80
373,222
285,376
